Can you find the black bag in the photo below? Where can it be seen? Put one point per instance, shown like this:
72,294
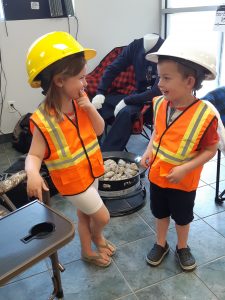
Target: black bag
22,136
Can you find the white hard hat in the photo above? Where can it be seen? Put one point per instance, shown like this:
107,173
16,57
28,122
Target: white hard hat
187,50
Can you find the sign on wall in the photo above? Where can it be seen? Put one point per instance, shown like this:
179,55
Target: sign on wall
220,18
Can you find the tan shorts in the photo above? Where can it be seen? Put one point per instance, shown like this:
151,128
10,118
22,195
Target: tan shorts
89,202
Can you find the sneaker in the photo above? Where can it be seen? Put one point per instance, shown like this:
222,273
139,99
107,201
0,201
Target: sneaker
186,259
156,254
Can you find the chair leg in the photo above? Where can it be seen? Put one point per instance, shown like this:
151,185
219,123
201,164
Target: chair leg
218,197
145,134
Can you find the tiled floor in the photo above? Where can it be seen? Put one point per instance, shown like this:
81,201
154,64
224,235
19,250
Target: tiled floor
129,277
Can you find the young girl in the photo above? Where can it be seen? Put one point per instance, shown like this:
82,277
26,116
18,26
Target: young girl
65,129
184,138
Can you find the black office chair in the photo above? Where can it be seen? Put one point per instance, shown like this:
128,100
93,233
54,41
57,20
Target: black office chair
217,98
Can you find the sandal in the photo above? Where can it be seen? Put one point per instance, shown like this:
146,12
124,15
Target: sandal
95,260
108,245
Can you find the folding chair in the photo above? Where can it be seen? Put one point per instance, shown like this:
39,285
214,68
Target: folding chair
143,121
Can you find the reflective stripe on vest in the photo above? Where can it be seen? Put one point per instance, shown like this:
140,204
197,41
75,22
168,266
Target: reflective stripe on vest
156,105
66,158
75,158
184,152
178,143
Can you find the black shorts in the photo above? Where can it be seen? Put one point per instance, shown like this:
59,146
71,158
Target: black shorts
177,204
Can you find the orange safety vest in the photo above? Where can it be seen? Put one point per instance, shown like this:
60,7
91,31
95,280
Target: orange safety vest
177,143
75,159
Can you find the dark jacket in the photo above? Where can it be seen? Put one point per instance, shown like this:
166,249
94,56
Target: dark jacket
145,72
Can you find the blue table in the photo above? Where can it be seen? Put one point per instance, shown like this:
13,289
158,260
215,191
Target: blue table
25,242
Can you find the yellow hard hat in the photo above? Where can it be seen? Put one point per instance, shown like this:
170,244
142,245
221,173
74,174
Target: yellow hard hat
50,48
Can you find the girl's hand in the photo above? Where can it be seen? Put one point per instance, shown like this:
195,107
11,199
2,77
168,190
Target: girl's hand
83,101
145,160
35,185
176,174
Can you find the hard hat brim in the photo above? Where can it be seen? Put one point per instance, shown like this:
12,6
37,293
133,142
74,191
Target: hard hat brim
153,57
89,53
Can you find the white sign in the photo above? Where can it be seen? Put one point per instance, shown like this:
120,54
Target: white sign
220,18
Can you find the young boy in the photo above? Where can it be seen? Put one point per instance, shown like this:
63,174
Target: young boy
184,138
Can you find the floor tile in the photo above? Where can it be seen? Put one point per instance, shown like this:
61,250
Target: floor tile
70,252
131,262
35,287
129,297
217,221
205,204
83,281
2,148
208,174
64,206
213,275
36,269
122,230
200,237
137,144
183,286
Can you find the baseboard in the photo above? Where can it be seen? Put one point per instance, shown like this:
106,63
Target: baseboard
5,138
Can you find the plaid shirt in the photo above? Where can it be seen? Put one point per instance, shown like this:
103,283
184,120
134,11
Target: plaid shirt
217,98
124,83
140,87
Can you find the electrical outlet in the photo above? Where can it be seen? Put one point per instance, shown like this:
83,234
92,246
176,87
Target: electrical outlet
11,105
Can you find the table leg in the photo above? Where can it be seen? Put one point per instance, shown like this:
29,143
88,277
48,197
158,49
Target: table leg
56,278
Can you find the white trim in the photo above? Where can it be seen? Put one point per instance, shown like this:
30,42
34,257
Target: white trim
188,9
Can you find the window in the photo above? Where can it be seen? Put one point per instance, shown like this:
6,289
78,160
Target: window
186,16
191,3
1,11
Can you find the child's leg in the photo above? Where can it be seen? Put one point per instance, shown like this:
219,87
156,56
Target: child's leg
98,221
183,252
162,226
182,213
160,210
95,216
182,235
85,238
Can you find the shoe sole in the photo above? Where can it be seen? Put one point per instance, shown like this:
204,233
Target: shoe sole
95,261
156,263
186,268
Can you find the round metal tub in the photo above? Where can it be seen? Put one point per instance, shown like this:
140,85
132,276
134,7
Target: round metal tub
125,196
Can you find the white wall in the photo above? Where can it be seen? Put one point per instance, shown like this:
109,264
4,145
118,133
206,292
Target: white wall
13,50
103,25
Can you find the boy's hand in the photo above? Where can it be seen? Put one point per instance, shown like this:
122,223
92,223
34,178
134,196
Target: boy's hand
145,160
176,174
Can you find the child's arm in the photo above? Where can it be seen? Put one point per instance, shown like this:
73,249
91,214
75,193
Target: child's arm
35,182
178,173
95,118
146,157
